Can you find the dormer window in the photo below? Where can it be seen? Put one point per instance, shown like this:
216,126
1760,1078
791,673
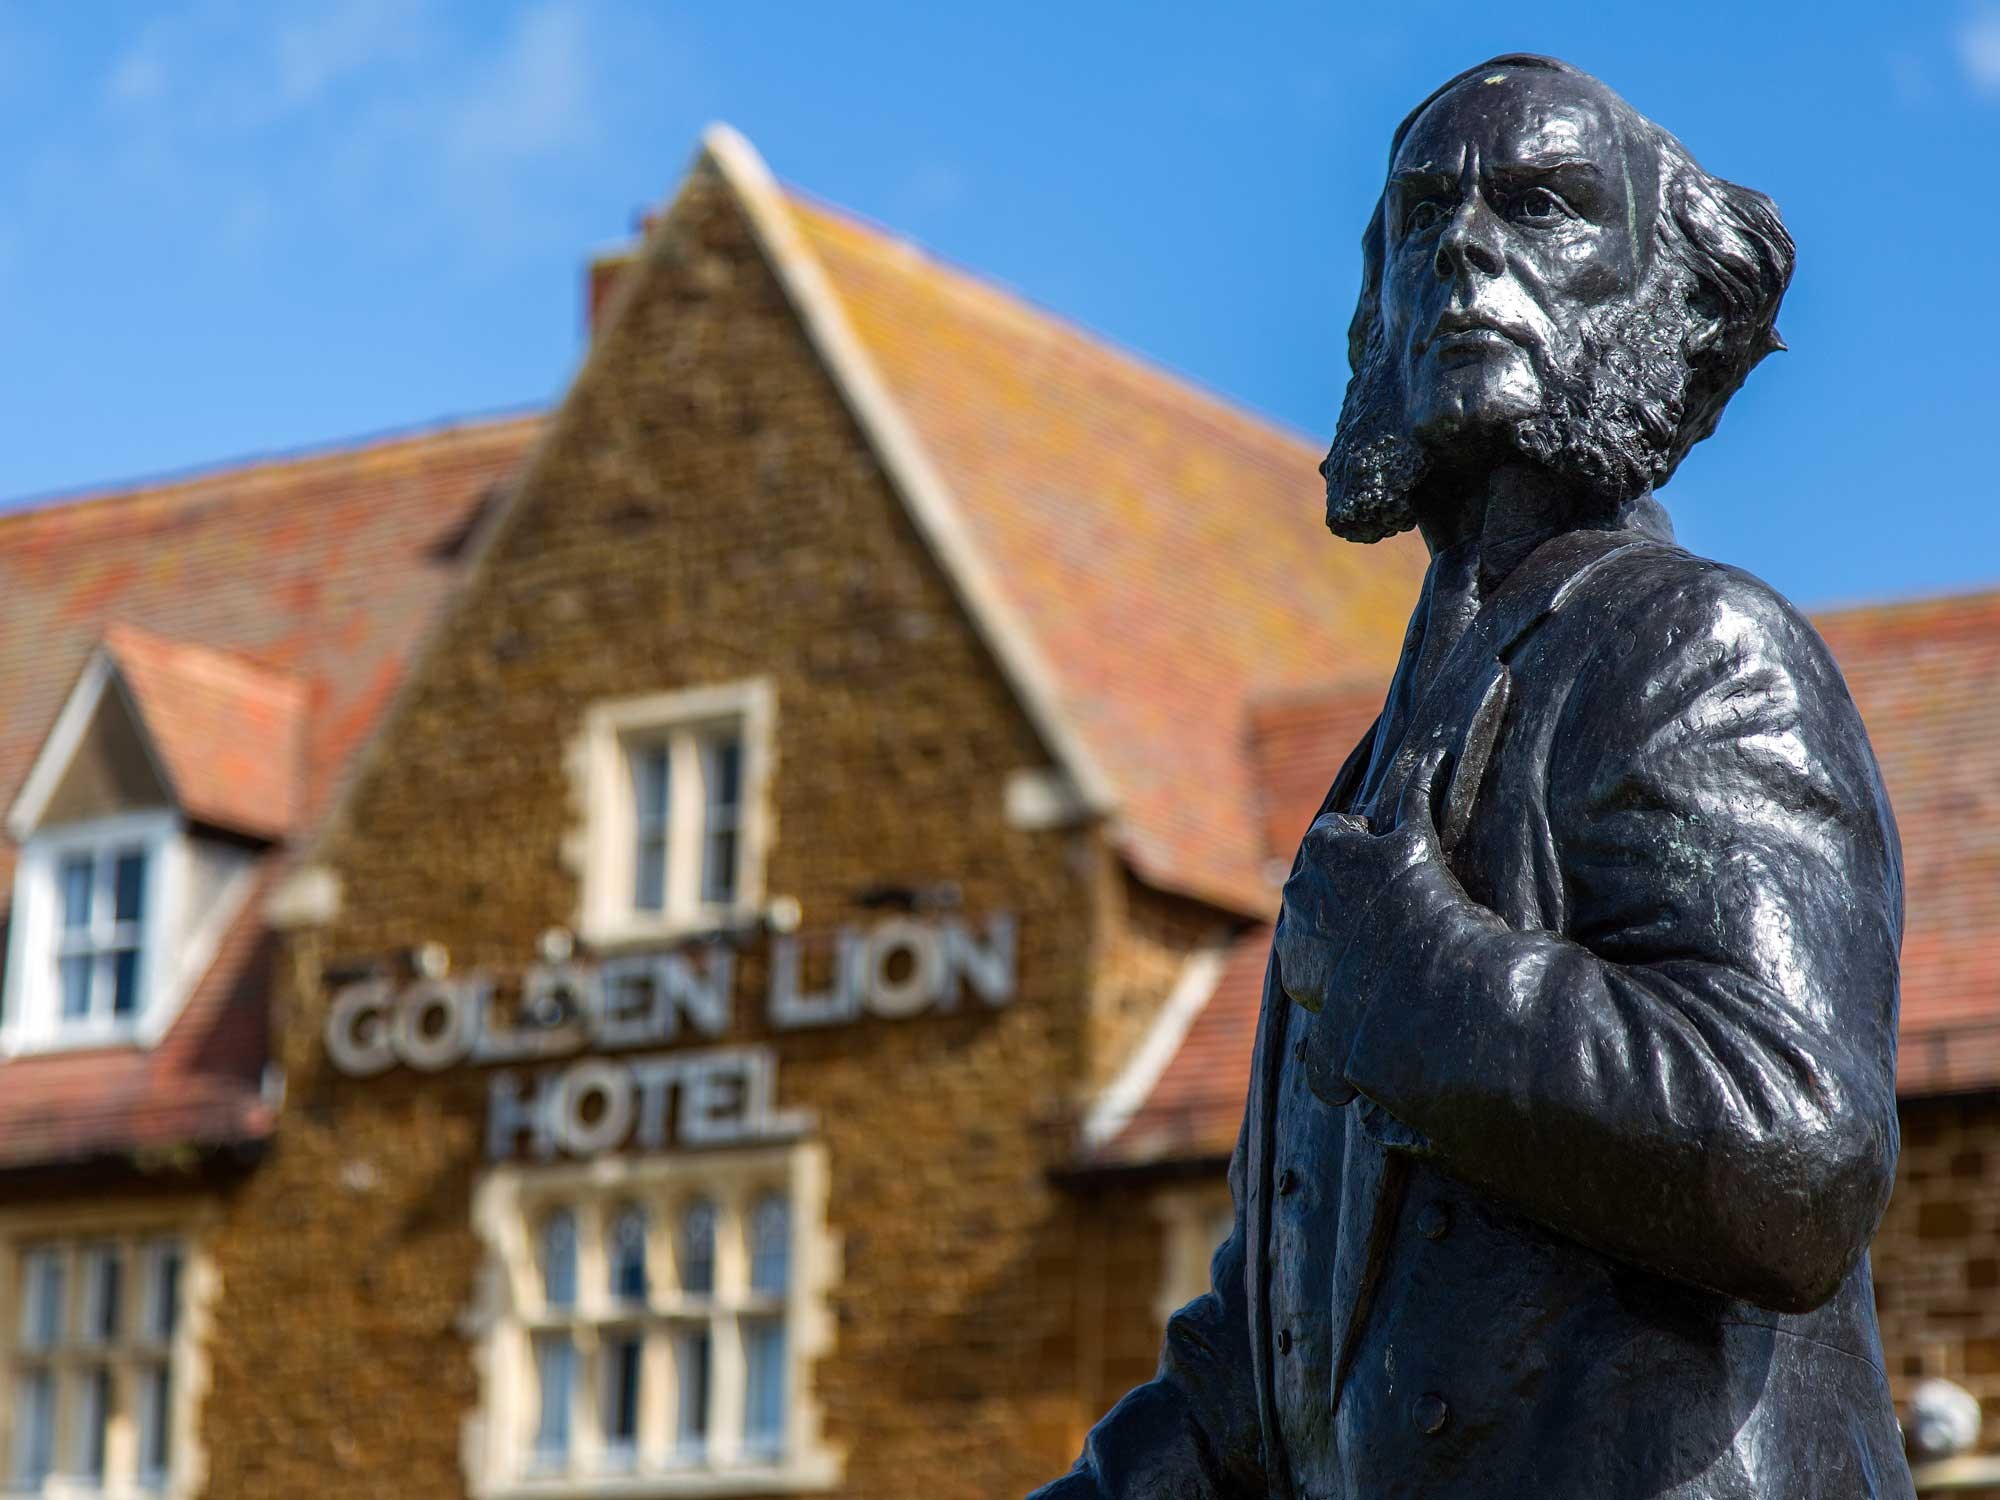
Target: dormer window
674,792
169,768
84,899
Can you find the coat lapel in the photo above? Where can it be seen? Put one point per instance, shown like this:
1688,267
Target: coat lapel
1529,595
1373,1175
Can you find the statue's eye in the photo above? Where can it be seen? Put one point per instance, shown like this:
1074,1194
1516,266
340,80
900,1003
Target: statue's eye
1422,215
1540,206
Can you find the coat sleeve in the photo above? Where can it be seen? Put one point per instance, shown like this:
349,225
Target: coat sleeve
1192,1431
1696,1073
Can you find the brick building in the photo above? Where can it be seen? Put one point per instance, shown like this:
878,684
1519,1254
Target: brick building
705,943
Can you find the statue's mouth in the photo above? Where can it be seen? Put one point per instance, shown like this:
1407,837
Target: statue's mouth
1474,343
1469,335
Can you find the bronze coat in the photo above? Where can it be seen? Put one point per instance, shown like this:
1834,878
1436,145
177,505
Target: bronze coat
1626,1072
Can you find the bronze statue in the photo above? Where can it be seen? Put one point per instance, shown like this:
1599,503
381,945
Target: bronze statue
1573,1109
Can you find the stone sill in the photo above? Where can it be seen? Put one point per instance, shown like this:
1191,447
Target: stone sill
1973,1471
692,1484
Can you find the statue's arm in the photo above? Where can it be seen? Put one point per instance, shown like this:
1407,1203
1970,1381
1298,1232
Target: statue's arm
1699,1076
1191,1432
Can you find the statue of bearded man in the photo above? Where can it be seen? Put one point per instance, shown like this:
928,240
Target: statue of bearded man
1573,1107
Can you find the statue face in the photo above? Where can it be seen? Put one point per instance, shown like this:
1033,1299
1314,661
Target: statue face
1515,212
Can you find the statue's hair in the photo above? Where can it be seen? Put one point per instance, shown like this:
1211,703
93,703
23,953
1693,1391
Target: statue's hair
1724,246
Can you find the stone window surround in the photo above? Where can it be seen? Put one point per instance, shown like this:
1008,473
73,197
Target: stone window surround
510,1203
1194,1221
600,848
191,1224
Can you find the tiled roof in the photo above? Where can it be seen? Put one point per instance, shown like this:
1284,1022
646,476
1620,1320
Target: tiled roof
230,734
324,567
293,589
1296,745
1165,549
1923,675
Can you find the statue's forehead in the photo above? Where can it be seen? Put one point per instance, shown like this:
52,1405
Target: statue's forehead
1514,114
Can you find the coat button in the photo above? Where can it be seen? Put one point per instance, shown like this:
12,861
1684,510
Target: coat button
1434,1220
1428,1411
1284,1341
1288,1183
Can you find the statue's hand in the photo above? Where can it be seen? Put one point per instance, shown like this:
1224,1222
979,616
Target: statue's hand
1343,867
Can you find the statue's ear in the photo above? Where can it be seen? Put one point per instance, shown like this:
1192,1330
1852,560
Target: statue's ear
1704,336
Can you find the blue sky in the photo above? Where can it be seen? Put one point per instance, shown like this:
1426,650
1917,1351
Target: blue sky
235,228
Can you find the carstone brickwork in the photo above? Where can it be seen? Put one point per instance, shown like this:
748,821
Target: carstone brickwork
705,512
1937,1256
1147,940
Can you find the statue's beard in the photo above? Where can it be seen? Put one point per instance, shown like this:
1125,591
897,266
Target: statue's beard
1609,418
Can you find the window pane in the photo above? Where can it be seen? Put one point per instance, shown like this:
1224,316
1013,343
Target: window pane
698,1249
75,878
651,781
555,1371
651,785
649,874
722,775
75,973
34,1428
623,1357
722,792
42,1300
91,1416
559,1259
125,982
764,1388
103,1291
128,885
691,1411
770,1245
718,867
163,1291
628,1256
156,1425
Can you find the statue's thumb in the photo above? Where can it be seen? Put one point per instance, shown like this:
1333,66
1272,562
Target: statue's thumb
1419,798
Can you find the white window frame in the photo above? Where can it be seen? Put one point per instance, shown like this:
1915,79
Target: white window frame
134,1237
1194,1221
605,850
34,1021
510,1205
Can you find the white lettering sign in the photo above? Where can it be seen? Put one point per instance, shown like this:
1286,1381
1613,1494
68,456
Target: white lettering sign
715,1097
898,969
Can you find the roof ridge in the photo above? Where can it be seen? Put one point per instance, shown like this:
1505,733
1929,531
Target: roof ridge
1910,604
50,505
122,631
997,297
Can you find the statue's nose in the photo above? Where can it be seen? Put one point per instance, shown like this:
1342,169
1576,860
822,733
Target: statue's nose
1468,242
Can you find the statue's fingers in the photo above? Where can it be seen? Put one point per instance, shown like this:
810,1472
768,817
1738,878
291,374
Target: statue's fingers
1334,824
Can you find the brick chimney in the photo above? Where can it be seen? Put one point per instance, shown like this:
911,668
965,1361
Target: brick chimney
601,280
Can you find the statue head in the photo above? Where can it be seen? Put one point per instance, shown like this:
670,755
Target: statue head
1548,279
